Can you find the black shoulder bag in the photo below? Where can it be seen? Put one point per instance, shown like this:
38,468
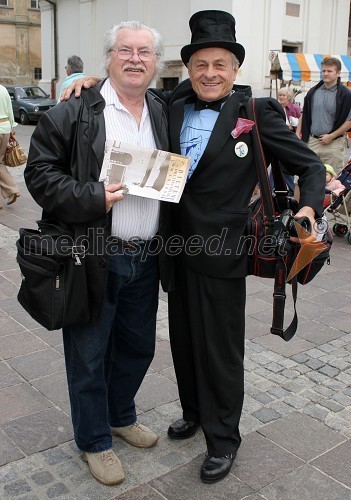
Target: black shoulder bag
271,223
54,288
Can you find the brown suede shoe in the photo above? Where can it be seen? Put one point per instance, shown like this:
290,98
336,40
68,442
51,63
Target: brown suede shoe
105,467
137,435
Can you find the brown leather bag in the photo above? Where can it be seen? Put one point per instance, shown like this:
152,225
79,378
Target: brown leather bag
14,154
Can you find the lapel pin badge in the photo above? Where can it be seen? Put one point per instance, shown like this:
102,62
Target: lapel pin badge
241,149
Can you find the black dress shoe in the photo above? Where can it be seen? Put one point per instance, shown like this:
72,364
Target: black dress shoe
182,429
215,468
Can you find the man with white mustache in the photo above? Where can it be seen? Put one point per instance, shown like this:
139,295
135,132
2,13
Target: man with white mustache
106,359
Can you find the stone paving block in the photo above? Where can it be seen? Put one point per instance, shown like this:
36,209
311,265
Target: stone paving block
8,451
302,369
169,373
18,344
255,305
274,367
16,488
306,483
52,338
345,378
314,363
20,400
162,329
7,289
316,411
257,459
317,377
278,392
294,346
290,374
249,423
251,404
296,401
336,300
143,492
57,490
302,435
155,390
163,356
329,370
7,474
265,415
8,325
313,396
299,385
300,357
252,346
340,455
39,431
312,310
184,482
325,391
342,322
38,364
255,328
8,376
318,333
281,407
263,398
54,387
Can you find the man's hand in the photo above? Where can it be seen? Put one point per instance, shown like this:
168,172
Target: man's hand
307,212
87,82
325,139
114,193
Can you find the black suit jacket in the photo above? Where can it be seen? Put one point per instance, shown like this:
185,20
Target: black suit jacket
212,214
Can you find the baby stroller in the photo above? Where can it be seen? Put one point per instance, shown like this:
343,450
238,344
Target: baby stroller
338,209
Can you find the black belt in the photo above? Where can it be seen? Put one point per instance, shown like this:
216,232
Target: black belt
318,136
126,244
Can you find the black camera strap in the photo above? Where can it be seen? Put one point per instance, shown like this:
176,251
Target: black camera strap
281,272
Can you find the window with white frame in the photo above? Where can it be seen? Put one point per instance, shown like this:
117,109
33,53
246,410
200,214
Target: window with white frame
34,4
4,3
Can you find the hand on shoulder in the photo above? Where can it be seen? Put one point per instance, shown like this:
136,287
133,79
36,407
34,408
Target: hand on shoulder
76,86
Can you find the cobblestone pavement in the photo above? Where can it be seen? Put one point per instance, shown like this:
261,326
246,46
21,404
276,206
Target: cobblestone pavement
296,422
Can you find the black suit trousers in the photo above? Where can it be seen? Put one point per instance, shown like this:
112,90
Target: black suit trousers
207,333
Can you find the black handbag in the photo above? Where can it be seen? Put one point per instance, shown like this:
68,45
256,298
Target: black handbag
54,288
271,253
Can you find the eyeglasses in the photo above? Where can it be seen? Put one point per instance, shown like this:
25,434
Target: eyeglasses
127,54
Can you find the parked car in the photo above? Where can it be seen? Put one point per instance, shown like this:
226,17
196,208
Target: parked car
29,102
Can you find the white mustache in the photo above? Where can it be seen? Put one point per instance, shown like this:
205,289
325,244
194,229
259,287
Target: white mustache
140,68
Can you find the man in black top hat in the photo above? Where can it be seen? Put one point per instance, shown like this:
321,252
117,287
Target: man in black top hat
206,279
207,303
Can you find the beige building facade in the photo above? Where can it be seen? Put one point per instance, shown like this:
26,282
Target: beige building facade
20,42
309,26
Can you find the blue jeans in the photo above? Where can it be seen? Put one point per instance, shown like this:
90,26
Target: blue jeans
107,362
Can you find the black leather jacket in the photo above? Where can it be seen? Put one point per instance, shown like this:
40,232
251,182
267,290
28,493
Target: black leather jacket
63,169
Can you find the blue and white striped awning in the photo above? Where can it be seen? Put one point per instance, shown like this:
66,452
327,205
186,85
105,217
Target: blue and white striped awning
307,67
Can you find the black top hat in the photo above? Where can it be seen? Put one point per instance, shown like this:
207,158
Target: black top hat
212,28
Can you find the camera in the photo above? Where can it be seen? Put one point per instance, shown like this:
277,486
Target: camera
287,222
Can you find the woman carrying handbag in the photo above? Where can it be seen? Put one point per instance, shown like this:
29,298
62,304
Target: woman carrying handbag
8,187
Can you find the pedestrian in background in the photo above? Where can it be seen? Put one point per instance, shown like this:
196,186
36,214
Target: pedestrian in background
326,115
74,70
292,114
8,186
